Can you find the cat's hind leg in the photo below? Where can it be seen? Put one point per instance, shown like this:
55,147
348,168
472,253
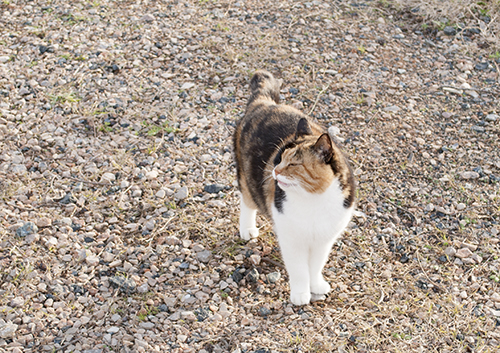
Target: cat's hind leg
248,223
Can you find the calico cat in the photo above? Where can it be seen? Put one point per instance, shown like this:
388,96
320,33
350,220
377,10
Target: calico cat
290,170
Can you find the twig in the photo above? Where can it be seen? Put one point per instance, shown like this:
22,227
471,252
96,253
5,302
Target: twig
275,263
417,221
426,275
87,181
317,98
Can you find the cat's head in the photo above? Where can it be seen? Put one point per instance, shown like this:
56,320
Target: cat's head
308,162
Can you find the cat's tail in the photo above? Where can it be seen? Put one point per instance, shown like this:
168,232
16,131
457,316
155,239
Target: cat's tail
264,85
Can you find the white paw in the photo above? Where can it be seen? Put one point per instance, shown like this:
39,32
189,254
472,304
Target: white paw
300,298
321,287
249,233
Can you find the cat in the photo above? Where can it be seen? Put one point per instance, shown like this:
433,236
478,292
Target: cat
290,170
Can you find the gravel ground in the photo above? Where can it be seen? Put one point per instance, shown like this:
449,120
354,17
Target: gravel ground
118,206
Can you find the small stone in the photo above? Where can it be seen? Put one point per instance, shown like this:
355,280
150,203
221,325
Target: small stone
187,85
255,259
449,31
78,187
469,175
213,188
108,177
92,260
392,108
491,117
67,258
126,285
43,222
461,206
115,318
16,302
273,277
420,141
333,131
450,251
481,66
429,207
7,330
152,175
107,256
143,288
147,325
147,18
404,259
182,338
464,253
161,194
495,297
4,58
26,229
477,259
264,311
253,275
204,256
113,329
401,71
182,193
188,315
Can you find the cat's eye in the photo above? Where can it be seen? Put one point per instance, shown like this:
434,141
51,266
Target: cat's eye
293,164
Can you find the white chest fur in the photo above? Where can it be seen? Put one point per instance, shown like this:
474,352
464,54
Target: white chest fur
307,227
316,217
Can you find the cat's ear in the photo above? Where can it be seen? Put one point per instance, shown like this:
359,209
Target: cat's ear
324,148
303,128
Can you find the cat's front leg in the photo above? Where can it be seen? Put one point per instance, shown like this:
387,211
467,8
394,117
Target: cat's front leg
248,225
319,256
295,257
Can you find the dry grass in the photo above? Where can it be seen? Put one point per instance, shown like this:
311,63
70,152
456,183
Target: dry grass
484,15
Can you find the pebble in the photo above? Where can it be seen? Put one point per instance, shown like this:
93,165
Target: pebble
113,329
253,275
16,302
491,117
273,277
461,206
92,260
26,229
188,315
392,109
126,285
213,188
143,288
469,175
449,31
147,325
450,251
255,259
43,222
204,256
108,177
7,330
464,253
182,193
495,297
264,311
